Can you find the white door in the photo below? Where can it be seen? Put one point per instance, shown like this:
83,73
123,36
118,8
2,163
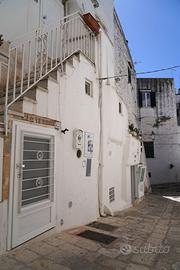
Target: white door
34,183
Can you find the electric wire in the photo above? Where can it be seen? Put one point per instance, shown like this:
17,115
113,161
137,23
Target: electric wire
141,73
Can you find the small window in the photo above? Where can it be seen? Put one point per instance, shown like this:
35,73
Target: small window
146,99
178,113
129,75
88,88
120,107
111,194
149,149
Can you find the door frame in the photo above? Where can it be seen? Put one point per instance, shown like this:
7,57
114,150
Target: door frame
133,183
36,129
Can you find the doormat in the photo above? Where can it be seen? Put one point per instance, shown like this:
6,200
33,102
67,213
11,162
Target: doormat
103,226
98,237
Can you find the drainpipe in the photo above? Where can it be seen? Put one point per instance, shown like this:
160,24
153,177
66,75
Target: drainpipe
40,15
64,2
101,156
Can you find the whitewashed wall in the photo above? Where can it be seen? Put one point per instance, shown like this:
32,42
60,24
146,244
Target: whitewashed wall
26,16
104,12
20,18
17,18
120,151
66,101
77,111
128,93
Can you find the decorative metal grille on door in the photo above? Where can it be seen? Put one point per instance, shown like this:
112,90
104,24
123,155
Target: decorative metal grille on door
37,170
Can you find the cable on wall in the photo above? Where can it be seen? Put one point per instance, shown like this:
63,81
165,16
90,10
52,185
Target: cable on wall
140,73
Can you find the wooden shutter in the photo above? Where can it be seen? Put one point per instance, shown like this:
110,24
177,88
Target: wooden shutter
140,98
149,149
153,99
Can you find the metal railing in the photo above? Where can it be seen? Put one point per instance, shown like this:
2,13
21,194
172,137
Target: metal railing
33,59
3,73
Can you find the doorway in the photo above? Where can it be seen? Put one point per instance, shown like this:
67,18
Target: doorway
133,184
33,201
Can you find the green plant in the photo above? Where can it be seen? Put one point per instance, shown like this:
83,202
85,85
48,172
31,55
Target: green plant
160,120
135,132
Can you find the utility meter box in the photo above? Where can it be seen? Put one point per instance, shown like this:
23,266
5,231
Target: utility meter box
78,139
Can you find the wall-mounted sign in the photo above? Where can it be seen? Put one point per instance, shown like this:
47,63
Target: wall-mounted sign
88,144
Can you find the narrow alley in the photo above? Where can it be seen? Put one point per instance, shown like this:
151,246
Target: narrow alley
145,237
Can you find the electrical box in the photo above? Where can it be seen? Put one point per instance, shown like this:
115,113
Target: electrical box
78,139
88,144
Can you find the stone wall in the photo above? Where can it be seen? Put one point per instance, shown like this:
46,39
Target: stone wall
127,91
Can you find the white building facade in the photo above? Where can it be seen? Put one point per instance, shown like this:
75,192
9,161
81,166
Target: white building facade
66,152
159,125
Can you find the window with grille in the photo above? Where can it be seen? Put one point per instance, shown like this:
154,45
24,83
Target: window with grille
37,170
111,194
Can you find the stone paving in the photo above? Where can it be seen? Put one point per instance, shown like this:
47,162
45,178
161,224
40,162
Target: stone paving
148,238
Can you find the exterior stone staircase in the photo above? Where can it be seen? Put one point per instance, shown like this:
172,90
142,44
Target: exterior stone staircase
33,63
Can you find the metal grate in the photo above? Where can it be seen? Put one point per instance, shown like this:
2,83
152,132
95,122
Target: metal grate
111,194
37,170
88,167
98,237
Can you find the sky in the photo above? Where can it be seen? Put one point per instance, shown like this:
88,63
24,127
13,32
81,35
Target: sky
152,28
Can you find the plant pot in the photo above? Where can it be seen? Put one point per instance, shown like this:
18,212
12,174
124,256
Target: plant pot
91,22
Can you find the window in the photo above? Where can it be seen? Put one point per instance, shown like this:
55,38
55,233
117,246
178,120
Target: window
178,113
129,75
38,160
147,99
111,194
149,149
120,107
88,88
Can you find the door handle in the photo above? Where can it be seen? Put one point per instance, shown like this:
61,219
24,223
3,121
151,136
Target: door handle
19,168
